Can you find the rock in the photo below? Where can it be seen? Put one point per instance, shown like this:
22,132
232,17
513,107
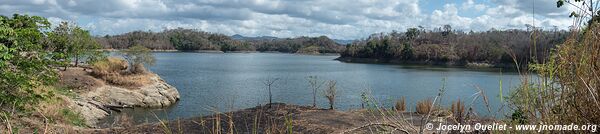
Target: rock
90,112
156,94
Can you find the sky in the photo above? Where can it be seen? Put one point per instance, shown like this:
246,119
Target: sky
338,19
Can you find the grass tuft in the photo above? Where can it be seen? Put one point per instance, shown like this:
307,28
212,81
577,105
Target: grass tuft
424,106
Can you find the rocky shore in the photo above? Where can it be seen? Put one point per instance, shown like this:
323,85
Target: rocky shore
97,99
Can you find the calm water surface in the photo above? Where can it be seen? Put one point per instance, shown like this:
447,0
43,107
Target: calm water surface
233,81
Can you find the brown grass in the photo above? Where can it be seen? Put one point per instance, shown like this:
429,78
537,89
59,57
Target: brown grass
424,106
568,89
401,104
114,71
109,66
458,111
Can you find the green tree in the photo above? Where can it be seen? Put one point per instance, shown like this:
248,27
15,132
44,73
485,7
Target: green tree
407,51
24,65
71,42
137,56
412,33
85,46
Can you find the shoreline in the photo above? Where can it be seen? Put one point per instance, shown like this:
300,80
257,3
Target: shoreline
219,51
98,99
474,65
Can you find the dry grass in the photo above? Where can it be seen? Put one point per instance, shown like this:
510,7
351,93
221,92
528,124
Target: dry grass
114,71
401,104
425,106
109,66
568,88
458,111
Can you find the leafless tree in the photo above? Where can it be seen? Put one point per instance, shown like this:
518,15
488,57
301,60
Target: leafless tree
315,85
269,83
331,92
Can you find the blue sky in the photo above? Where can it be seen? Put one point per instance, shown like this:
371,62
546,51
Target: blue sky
340,19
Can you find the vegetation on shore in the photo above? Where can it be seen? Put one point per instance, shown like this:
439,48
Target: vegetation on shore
445,46
34,94
568,86
194,40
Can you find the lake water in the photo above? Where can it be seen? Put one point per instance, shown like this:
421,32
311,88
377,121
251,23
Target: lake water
230,81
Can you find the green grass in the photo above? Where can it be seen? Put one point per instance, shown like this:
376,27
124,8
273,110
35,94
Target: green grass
74,118
65,91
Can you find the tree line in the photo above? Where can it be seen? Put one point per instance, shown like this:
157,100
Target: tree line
193,40
451,47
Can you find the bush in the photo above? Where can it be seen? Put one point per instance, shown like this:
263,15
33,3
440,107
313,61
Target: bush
24,64
568,87
114,71
137,56
331,93
401,104
425,106
110,66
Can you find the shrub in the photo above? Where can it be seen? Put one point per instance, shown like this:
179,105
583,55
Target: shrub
24,64
568,87
425,106
113,71
137,56
315,85
330,93
110,66
401,104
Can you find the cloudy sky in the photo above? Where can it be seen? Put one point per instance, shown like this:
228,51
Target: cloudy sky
340,19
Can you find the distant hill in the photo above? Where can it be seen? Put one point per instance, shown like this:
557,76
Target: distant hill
194,40
246,38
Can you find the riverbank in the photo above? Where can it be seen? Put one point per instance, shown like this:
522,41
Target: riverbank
434,63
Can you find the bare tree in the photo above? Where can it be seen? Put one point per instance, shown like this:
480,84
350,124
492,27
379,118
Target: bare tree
268,83
315,85
330,93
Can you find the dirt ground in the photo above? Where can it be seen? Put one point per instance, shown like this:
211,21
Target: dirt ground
282,118
78,79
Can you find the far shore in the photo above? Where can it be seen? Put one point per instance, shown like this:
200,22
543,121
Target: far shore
433,63
219,51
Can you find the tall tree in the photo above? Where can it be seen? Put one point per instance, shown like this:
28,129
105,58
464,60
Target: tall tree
24,65
71,42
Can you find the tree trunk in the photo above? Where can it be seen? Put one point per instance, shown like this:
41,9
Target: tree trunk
76,61
270,96
314,98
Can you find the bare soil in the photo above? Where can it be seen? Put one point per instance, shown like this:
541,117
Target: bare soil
79,80
277,119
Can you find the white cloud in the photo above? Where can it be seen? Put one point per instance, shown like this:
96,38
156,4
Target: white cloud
470,4
287,18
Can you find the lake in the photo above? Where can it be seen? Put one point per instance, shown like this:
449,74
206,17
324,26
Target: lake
209,82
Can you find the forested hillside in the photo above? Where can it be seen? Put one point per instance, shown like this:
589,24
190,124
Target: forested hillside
445,46
192,40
